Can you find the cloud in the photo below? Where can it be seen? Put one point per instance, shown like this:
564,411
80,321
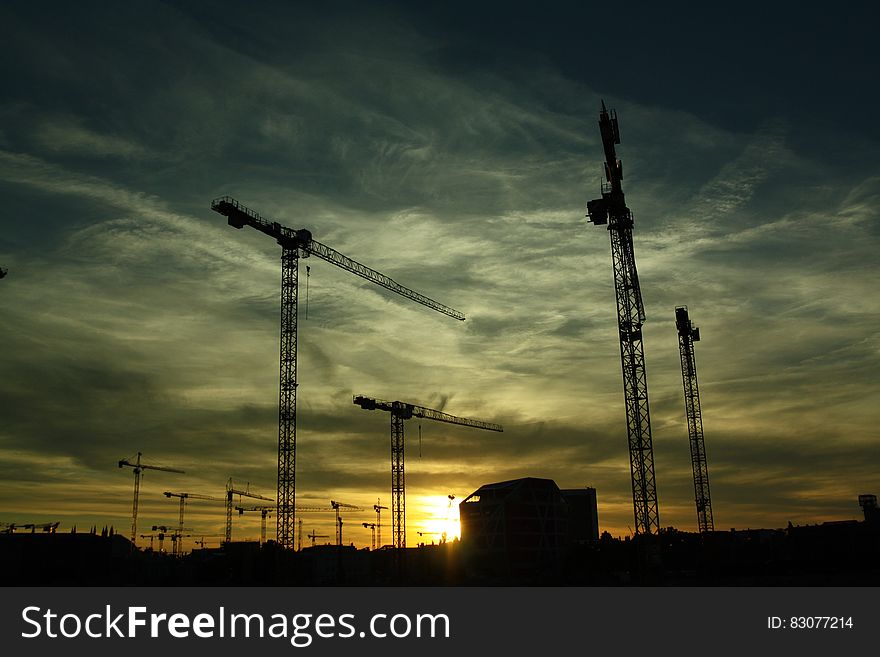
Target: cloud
68,136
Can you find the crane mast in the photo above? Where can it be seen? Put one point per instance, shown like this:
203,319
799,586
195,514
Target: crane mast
687,335
178,548
295,244
401,411
264,513
611,209
230,491
377,507
336,506
372,527
138,468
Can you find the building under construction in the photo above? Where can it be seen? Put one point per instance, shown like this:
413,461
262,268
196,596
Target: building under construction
525,525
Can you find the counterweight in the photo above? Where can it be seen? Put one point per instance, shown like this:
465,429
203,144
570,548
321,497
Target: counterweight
687,335
295,244
611,210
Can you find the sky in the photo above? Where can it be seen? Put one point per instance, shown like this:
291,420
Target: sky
452,148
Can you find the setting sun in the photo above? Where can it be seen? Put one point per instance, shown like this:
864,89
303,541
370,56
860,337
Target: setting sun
437,519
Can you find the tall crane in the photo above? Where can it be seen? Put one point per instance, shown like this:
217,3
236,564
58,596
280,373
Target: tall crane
377,507
230,491
138,468
265,511
336,506
611,210
401,411
313,536
295,244
687,335
372,527
178,546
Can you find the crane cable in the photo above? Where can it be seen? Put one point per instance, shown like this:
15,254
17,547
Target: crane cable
308,275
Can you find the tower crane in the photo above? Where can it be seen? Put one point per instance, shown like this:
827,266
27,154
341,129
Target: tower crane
377,507
611,209
200,541
230,491
687,335
163,530
336,506
313,536
295,244
401,411
178,546
138,468
151,537
265,511
442,535
372,527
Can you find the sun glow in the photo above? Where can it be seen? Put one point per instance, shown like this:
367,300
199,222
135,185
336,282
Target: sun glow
438,520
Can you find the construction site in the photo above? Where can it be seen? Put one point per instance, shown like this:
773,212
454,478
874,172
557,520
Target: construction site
522,531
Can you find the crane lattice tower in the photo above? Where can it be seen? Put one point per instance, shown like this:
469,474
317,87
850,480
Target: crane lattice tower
687,335
611,209
401,411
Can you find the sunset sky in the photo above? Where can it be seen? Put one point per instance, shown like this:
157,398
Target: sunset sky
452,148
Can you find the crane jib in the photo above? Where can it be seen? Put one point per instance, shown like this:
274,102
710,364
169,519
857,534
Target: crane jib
239,216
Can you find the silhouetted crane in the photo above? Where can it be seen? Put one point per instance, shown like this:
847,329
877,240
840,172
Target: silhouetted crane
336,506
377,507
139,467
687,335
163,530
230,491
611,209
178,546
264,513
295,243
401,411
313,536
442,535
200,541
372,527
